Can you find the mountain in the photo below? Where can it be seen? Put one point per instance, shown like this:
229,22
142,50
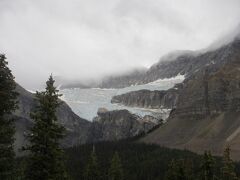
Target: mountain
120,124
207,113
179,62
109,125
125,80
193,65
111,81
183,62
205,106
77,127
148,99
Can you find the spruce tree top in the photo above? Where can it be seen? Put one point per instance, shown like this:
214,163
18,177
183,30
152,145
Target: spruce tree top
8,95
115,170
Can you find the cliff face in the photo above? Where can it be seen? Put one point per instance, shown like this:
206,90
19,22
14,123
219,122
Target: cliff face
120,124
207,112
148,99
214,88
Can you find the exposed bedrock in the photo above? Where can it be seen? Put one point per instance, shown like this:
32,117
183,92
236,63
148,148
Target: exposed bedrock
120,124
207,113
148,99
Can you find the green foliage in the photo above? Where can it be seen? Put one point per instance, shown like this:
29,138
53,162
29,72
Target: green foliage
172,172
20,172
8,103
115,171
228,170
179,170
92,170
208,165
46,159
139,161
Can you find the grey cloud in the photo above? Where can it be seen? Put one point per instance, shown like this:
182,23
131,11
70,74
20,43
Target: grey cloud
78,39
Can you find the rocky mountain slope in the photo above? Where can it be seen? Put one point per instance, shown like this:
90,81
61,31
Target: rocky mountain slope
148,99
207,112
110,125
77,127
175,63
120,124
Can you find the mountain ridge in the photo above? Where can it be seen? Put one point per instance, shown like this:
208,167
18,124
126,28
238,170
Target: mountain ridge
169,65
208,109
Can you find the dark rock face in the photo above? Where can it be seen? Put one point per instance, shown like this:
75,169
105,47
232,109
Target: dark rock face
77,128
148,99
120,124
207,111
214,88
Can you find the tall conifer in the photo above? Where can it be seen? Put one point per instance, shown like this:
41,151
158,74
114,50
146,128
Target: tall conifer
92,170
46,159
115,170
177,170
8,103
208,166
228,170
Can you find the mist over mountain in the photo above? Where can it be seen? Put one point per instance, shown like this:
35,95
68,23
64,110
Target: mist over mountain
100,82
81,40
178,62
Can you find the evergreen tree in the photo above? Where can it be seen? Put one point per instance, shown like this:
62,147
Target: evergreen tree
228,170
172,171
46,159
8,103
92,170
182,175
208,166
115,170
177,171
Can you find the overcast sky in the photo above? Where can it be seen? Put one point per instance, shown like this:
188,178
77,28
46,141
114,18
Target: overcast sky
80,39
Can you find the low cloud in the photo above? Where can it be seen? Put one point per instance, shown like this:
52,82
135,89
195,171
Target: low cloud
78,39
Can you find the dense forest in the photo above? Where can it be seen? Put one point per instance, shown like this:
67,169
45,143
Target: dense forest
145,162
138,161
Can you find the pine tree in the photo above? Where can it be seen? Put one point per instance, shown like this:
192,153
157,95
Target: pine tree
177,170
228,170
8,103
115,171
46,159
208,166
172,171
181,169
92,170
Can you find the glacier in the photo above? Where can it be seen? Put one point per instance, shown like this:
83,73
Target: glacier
86,102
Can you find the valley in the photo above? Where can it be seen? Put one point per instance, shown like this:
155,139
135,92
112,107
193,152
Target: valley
120,90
